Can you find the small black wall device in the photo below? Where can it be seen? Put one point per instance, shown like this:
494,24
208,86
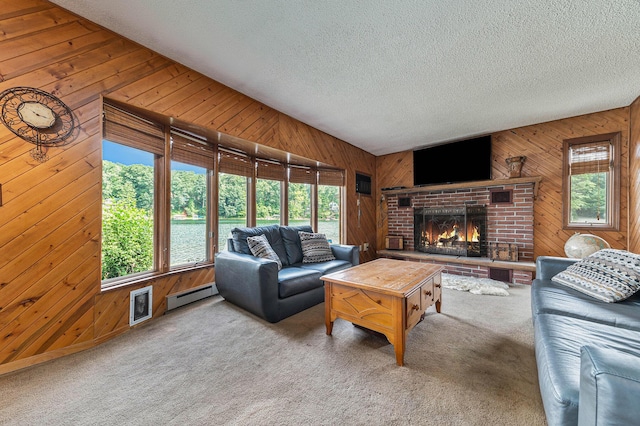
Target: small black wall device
363,184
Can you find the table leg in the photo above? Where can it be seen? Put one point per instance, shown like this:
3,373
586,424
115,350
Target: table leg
399,349
327,308
400,324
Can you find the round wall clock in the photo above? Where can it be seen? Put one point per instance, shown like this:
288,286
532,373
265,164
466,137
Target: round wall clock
37,117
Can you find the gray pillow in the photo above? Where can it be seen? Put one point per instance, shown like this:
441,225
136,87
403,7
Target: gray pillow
272,232
291,242
609,275
315,248
260,247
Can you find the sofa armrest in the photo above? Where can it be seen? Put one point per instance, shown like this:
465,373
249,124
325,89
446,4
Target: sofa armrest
346,252
609,387
548,266
249,282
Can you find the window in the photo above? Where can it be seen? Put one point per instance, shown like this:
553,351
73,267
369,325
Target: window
299,203
270,178
132,148
161,188
330,183
192,162
591,182
234,173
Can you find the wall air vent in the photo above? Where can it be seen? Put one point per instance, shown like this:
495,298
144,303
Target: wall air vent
502,196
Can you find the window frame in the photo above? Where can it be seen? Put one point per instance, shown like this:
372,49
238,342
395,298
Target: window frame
126,128
612,220
211,183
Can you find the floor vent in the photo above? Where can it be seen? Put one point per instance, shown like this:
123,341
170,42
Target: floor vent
189,296
499,274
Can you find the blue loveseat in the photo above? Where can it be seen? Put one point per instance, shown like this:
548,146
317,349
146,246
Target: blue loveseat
587,352
256,285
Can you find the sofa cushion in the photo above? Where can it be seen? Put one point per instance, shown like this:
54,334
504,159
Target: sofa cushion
292,280
558,340
291,242
609,387
260,247
609,275
327,267
550,297
272,232
315,248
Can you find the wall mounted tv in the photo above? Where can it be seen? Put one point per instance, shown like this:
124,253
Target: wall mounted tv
461,161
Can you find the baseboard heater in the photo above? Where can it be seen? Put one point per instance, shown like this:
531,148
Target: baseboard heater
189,296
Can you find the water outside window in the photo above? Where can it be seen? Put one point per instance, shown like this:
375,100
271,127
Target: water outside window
188,214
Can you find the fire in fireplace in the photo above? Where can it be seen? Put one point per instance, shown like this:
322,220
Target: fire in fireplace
456,231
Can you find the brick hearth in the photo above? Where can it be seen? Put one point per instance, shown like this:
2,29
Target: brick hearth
507,222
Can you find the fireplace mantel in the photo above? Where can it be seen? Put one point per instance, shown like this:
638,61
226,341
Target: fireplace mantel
535,180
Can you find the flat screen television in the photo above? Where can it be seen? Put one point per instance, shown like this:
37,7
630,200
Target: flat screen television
461,161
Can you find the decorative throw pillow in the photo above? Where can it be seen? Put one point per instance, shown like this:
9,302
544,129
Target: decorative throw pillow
609,275
260,247
315,247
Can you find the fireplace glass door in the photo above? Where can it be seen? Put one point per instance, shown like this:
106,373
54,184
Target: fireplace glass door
456,231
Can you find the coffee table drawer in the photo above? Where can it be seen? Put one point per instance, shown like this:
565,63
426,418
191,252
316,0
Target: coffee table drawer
414,308
427,293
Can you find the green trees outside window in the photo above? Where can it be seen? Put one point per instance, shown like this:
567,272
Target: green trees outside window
268,195
232,205
127,213
589,197
329,212
300,203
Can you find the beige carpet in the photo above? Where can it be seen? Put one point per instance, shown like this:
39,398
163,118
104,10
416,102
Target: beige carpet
211,363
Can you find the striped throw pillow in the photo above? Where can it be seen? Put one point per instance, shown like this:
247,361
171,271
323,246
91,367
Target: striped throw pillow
260,247
315,248
609,275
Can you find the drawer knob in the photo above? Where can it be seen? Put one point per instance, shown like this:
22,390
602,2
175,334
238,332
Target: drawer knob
438,285
415,307
427,292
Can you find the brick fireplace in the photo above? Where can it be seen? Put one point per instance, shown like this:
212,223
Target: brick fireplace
509,219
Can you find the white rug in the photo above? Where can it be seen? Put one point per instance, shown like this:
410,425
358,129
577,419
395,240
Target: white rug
475,285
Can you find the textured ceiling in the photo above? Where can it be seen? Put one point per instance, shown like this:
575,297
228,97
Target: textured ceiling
388,76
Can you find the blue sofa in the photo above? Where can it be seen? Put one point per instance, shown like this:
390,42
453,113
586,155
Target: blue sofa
256,285
587,352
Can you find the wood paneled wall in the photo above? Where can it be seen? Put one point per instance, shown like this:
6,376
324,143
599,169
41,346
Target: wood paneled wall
392,170
51,302
634,177
542,145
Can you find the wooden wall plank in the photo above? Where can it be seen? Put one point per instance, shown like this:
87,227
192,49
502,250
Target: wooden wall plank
30,22
33,233
130,91
31,44
11,9
633,234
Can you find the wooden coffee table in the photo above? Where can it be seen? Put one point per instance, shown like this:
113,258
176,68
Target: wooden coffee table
386,295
